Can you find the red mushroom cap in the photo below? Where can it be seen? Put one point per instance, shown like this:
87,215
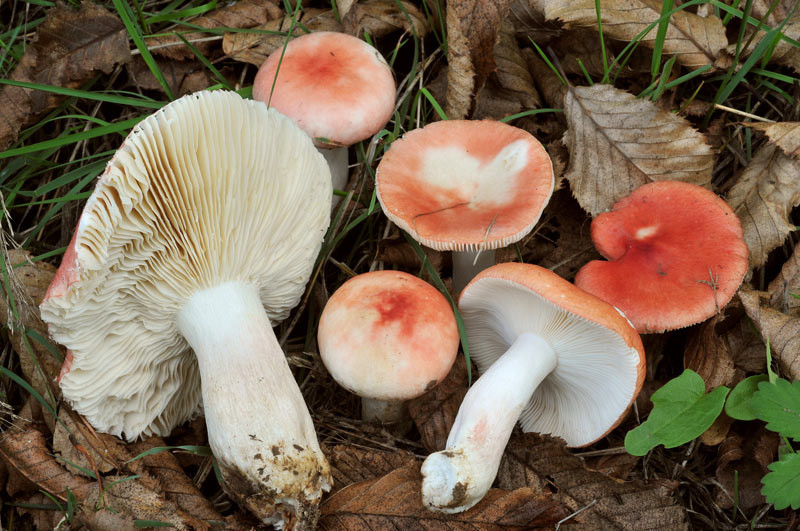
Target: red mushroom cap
676,256
388,335
461,185
336,87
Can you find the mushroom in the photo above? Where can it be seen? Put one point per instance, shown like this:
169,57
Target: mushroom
468,186
676,256
336,87
387,337
558,359
202,230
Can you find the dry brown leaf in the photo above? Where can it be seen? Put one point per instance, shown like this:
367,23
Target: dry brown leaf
763,196
435,411
786,285
709,357
352,464
394,501
717,432
784,54
241,15
254,48
745,457
539,461
509,89
550,86
379,18
396,251
183,77
696,41
782,331
70,47
527,17
64,448
785,134
580,46
744,343
472,28
618,142
28,454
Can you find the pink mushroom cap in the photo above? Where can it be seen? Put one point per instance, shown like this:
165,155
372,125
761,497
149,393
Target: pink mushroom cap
388,335
336,87
676,255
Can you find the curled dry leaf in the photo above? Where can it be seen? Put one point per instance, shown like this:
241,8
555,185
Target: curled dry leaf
352,464
65,448
618,143
242,14
741,463
183,77
396,251
709,357
763,196
254,48
784,54
472,28
696,41
379,18
394,501
70,47
435,411
784,288
550,86
540,461
527,17
782,331
786,135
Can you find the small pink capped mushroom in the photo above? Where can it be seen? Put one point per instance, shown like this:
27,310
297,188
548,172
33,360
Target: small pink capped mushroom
468,186
336,87
676,255
387,337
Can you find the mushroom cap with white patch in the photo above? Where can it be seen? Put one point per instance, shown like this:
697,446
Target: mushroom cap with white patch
600,358
465,185
209,189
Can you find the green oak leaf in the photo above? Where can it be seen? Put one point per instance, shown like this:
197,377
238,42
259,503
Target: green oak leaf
681,412
778,405
738,404
782,484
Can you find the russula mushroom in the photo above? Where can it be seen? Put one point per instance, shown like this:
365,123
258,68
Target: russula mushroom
336,87
676,255
558,359
387,337
468,186
202,230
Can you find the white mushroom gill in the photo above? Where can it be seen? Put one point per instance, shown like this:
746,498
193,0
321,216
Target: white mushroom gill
555,372
211,198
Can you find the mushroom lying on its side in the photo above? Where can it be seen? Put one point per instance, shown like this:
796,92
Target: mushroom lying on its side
201,231
552,356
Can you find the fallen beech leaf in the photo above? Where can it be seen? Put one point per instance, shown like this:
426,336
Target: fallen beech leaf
254,48
398,252
782,331
69,455
787,284
695,40
183,77
435,411
543,462
618,142
784,53
717,432
580,46
379,18
51,519
472,28
527,17
741,463
550,86
241,15
395,501
786,135
351,464
744,343
709,357
764,193
70,47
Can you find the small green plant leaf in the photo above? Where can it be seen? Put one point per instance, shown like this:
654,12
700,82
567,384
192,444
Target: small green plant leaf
738,404
681,412
778,405
782,484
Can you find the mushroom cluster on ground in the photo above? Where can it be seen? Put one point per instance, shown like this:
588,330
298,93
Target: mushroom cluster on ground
201,232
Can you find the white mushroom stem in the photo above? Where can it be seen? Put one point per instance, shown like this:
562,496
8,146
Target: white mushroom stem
467,264
458,477
383,411
337,163
259,427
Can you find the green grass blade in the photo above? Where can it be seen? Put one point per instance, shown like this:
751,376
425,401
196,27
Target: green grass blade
661,35
87,94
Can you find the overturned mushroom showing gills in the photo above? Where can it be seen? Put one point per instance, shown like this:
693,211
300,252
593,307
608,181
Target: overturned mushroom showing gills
336,87
387,337
676,255
552,356
201,231
468,186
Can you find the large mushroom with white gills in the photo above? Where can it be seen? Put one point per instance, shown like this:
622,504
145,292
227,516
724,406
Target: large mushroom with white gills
201,233
551,356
